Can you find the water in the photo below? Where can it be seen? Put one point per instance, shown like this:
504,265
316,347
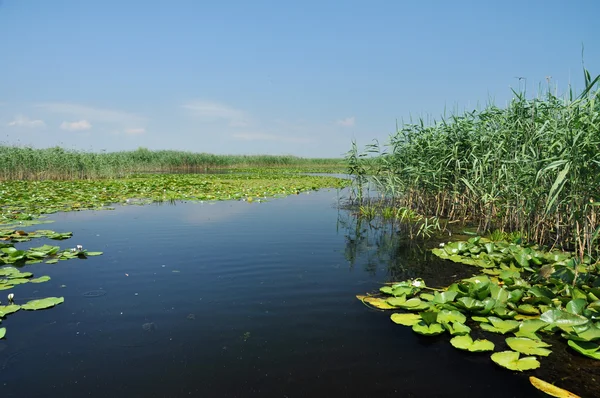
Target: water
232,299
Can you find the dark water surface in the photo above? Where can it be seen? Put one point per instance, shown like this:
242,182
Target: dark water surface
231,299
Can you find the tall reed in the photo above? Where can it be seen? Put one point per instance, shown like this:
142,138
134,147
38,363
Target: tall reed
532,167
24,163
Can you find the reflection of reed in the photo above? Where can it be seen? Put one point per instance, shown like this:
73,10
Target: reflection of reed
382,245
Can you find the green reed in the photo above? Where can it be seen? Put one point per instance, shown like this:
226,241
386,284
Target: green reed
532,167
24,163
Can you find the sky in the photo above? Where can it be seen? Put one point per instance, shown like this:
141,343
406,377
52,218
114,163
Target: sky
277,77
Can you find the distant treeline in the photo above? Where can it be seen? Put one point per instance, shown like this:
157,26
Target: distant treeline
24,163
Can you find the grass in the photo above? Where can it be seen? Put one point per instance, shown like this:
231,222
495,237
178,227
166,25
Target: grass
532,168
24,163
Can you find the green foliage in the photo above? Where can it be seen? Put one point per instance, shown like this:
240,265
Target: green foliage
24,163
529,171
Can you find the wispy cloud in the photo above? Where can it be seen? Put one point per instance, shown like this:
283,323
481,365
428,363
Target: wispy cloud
76,126
135,131
209,111
269,137
23,121
101,115
347,122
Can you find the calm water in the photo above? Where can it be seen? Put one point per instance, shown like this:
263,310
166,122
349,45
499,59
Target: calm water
231,299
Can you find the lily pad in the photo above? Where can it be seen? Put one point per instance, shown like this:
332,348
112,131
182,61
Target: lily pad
2,333
500,326
585,348
447,316
41,304
466,342
511,360
528,346
406,319
41,279
8,309
457,328
376,302
428,330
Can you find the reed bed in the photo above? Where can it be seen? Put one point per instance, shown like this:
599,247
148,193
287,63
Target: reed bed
532,167
24,163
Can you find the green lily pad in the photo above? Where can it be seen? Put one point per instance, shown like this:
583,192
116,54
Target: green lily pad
414,304
481,319
406,319
585,348
42,303
528,346
500,326
396,301
466,342
41,279
457,328
444,297
447,316
529,327
511,360
561,318
2,333
428,330
8,309
92,254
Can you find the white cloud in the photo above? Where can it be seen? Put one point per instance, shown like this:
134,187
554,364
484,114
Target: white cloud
347,122
100,115
135,131
208,111
76,126
23,121
269,137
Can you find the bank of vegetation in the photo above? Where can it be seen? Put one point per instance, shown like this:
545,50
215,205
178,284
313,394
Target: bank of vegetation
532,167
26,163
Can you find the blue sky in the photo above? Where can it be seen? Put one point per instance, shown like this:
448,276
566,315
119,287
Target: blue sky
271,77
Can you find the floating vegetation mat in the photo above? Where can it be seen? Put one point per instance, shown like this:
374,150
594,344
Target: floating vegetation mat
11,276
23,202
523,293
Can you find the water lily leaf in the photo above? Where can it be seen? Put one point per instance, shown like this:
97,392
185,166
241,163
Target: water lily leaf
498,293
529,327
2,333
561,318
8,309
426,296
470,304
52,261
406,319
41,279
429,317
403,291
511,360
42,303
515,295
528,346
527,309
480,319
457,328
551,389
444,297
585,348
500,326
588,332
576,306
540,291
386,289
92,254
447,316
466,342
428,330
396,301
414,304
18,281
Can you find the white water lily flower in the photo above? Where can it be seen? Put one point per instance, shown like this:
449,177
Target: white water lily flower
442,244
417,283
79,247
11,296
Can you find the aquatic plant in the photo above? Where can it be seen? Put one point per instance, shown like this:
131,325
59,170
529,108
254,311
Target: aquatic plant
25,163
24,201
532,167
522,292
